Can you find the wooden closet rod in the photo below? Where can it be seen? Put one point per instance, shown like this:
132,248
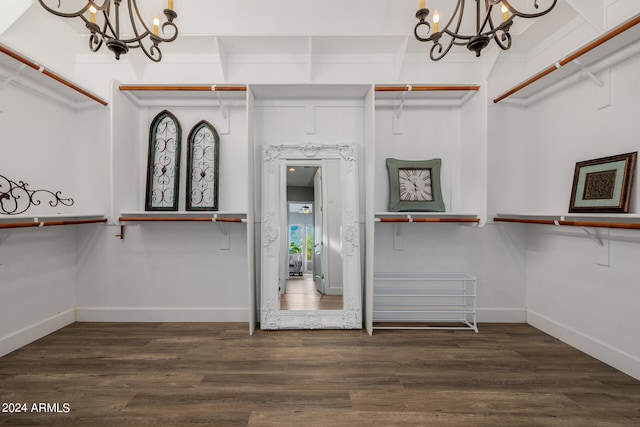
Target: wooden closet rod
594,44
423,88
194,88
52,223
593,224
54,76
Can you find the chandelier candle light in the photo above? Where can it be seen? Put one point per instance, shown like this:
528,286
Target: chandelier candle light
485,29
105,27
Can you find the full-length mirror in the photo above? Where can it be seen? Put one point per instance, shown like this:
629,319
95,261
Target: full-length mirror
310,238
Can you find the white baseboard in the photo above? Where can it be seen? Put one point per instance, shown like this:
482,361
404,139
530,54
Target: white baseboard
619,359
36,331
501,315
162,314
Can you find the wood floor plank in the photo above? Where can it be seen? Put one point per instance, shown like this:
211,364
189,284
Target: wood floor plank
216,374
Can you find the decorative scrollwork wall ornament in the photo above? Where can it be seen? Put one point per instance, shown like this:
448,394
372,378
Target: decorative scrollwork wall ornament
270,234
352,314
312,321
351,233
16,198
163,168
274,152
270,316
202,168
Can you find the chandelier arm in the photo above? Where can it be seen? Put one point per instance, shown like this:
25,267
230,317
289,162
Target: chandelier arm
95,42
457,12
502,28
516,12
457,36
75,14
440,53
148,32
133,22
506,37
175,31
415,31
153,53
487,18
106,13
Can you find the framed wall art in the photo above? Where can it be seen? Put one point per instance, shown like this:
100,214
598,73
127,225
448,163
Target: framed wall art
202,167
603,185
163,167
414,185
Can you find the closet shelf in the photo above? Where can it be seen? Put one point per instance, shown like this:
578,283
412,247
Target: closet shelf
621,221
181,216
429,88
421,94
19,64
166,94
624,35
183,88
50,220
450,217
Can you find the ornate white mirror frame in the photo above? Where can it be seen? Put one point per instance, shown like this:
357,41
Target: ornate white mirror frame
274,209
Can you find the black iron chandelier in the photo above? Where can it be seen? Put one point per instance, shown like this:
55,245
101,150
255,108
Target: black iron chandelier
102,18
485,28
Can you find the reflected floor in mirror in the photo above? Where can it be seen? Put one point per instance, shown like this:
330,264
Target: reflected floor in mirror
302,295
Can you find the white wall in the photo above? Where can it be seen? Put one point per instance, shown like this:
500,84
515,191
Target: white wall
168,271
164,272
35,32
424,133
40,150
421,133
37,283
533,154
38,265
301,121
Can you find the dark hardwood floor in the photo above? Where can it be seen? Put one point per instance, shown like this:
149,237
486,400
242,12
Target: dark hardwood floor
215,374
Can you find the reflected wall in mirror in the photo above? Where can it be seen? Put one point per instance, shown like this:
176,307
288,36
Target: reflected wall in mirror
310,238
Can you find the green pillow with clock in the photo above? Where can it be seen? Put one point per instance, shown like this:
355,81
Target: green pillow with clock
414,185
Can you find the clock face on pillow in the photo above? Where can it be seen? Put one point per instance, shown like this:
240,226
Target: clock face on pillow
414,185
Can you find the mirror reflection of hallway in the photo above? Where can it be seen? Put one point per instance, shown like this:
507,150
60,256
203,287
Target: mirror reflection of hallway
307,284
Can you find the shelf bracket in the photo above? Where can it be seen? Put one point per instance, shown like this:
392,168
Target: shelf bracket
589,74
603,243
397,237
593,236
121,235
604,84
397,112
224,111
11,77
4,236
225,236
